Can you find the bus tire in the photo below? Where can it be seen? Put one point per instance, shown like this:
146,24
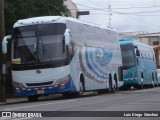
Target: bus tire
32,98
116,82
152,84
81,90
110,84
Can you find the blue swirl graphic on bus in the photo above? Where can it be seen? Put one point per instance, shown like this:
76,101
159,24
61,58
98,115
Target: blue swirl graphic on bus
103,57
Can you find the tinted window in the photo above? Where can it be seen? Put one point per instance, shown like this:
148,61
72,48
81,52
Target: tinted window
128,56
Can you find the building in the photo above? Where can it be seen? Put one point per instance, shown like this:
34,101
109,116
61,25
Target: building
72,8
151,39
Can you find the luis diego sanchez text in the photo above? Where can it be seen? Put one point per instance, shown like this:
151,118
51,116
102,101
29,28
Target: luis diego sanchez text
143,114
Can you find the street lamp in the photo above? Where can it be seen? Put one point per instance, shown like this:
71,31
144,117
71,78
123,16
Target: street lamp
82,13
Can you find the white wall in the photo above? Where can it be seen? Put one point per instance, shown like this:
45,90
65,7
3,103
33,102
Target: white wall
70,5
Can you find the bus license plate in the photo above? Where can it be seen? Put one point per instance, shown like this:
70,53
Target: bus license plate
40,91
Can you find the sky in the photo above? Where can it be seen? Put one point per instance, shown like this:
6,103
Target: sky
125,15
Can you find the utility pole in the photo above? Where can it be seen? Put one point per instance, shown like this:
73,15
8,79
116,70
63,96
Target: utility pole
110,14
2,65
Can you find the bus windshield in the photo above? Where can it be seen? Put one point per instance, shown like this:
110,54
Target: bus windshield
128,56
39,43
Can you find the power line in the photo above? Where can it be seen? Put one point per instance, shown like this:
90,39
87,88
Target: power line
107,10
126,13
110,14
140,20
98,13
136,7
138,12
90,7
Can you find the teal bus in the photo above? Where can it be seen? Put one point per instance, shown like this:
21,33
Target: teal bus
139,66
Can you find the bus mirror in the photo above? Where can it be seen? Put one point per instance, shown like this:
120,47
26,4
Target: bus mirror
137,52
67,37
4,44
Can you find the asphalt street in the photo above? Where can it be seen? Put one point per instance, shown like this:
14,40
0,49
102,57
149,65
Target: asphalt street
132,100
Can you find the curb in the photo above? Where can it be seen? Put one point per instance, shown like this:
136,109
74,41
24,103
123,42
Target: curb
14,100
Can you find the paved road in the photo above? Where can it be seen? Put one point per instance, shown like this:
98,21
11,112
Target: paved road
134,100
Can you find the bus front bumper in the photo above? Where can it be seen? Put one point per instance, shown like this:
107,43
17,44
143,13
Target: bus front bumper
131,81
45,90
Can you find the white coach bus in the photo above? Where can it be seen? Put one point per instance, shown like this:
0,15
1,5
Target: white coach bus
54,54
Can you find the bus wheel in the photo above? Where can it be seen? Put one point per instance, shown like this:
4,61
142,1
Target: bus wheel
110,85
81,90
116,82
32,98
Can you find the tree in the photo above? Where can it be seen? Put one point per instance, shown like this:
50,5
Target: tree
21,9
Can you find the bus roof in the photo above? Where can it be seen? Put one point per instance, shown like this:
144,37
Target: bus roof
124,41
52,19
39,20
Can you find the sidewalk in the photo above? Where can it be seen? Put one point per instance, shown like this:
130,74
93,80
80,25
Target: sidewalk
12,100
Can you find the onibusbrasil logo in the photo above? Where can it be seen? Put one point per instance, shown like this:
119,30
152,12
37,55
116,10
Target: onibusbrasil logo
21,114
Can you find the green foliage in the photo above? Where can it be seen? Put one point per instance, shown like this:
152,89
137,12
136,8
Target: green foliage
21,9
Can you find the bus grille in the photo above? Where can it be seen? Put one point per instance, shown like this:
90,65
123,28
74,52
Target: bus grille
39,84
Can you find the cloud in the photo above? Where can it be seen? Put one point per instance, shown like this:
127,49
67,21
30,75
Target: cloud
127,15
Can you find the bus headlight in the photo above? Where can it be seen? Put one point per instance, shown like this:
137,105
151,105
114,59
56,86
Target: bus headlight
18,85
62,81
